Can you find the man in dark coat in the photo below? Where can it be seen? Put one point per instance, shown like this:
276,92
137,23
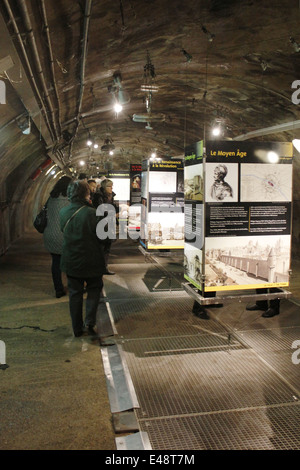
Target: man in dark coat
82,256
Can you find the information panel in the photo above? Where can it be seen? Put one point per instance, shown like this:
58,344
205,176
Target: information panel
162,204
247,213
194,215
121,188
121,182
134,212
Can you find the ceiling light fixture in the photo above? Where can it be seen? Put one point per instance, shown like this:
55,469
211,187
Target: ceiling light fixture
217,129
210,35
118,108
121,96
25,125
89,141
108,145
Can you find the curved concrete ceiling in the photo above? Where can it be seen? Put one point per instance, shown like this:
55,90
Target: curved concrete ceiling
63,62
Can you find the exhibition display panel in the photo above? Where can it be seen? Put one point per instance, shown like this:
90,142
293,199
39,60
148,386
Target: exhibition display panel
121,188
238,208
162,204
134,211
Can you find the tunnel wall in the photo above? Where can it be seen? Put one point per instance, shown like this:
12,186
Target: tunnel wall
19,206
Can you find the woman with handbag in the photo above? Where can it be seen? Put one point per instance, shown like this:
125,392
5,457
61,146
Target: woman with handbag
53,238
82,257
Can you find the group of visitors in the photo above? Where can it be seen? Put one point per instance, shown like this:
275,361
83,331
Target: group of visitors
71,239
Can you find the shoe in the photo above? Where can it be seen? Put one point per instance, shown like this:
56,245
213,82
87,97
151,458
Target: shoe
60,294
256,307
196,308
78,334
202,314
109,273
91,331
271,312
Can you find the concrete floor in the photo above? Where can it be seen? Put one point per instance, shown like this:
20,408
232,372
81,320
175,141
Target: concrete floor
53,395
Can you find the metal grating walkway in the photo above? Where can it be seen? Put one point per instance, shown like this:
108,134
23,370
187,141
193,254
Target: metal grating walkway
227,383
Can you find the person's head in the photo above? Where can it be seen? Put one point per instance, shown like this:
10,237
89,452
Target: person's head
220,172
93,185
82,177
78,191
107,185
61,187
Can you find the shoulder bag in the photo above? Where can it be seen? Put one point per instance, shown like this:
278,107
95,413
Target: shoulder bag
40,222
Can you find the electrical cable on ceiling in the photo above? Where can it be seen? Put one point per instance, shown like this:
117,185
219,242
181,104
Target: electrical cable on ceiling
122,13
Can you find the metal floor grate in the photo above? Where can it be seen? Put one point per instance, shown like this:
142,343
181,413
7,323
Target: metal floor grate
275,339
270,428
227,383
202,382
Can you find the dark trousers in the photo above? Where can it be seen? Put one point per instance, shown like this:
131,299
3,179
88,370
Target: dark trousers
274,303
56,273
94,287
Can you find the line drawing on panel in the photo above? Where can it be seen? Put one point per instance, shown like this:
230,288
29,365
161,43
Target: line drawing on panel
222,182
265,183
247,260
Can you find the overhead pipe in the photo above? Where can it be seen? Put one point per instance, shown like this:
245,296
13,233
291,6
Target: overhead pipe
36,89
46,27
26,18
288,126
87,15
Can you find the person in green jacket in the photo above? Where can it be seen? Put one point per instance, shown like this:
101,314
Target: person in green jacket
82,257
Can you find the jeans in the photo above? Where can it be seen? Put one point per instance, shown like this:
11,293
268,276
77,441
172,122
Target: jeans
94,287
56,273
